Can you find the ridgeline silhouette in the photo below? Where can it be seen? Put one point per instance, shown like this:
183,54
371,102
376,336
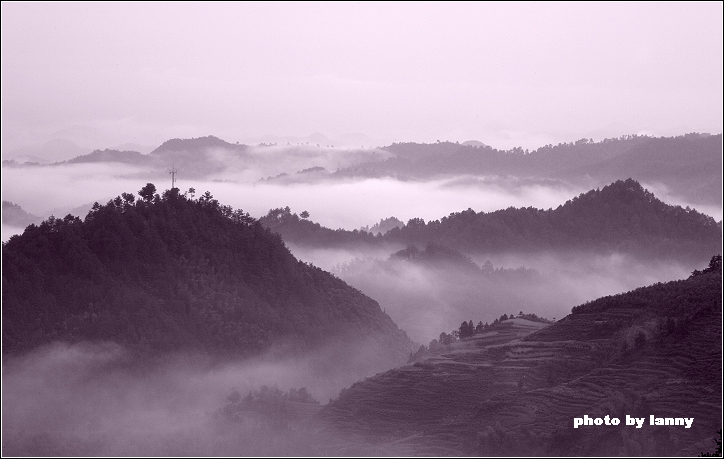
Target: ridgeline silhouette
621,217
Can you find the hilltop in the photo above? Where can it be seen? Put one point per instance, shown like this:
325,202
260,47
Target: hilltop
175,273
515,389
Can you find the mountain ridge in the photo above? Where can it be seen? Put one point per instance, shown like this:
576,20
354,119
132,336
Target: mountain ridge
621,216
173,272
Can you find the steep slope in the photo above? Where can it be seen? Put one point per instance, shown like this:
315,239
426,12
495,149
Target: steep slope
654,351
173,273
621,217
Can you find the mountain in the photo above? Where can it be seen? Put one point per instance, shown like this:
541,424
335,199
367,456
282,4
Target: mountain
14,215
517,388
111,156
425,161
130,146
198,157
687,165
49,152
194,146
475,143
620,217
690,165
170,273
384,226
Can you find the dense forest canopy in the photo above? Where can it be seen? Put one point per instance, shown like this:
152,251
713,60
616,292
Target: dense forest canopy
174,272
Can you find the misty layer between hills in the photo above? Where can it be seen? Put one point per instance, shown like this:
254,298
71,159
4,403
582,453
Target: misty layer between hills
406,180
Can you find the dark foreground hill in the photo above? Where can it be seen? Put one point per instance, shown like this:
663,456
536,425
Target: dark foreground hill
653,351
621,217
176,274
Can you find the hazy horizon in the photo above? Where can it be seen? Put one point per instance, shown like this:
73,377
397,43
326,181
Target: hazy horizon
504,74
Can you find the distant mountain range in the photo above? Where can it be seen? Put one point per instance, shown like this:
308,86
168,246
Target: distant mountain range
690,165
687,166
620,217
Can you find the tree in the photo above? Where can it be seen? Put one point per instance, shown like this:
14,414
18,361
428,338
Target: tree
717,452
128,198
714,266
147,192
304,215
466,329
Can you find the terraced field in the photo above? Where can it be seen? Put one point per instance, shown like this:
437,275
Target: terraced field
515,390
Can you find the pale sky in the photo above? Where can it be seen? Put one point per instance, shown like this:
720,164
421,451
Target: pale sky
507,74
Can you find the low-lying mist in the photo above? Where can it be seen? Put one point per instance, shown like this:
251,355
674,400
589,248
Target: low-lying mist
344,203
425,299
332,201
89,399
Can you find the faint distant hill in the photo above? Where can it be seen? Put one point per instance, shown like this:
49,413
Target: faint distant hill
195,146
172,274
111,156
620,217
690,164
516,389
425,161
198,157
384,225
475,143
49,152
14,215
144,149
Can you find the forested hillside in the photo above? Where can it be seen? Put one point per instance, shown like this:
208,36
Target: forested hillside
622,216
653,351
176,273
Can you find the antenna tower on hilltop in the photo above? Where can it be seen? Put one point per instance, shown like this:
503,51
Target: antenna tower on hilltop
173,177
